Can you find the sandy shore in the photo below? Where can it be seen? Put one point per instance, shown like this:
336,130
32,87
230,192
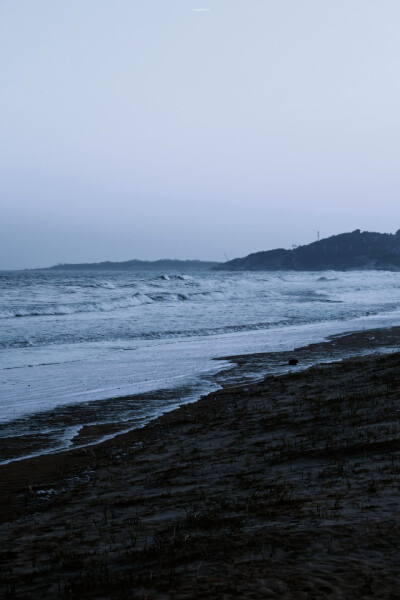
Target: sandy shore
284,488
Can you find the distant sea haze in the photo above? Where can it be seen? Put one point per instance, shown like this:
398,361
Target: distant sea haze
142,265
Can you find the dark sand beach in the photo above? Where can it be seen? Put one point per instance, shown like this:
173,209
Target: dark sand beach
287,487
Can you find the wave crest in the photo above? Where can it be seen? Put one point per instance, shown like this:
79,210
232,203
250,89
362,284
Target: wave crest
137,299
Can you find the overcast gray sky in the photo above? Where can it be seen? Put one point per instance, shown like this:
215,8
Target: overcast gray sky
151,128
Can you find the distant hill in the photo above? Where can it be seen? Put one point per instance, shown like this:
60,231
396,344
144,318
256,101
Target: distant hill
356,250
139,265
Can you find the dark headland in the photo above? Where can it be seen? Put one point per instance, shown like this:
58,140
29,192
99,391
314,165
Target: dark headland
355,250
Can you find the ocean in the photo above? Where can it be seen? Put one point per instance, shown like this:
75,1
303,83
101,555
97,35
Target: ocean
84,348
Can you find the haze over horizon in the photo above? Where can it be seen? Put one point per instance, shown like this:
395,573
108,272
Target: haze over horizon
162,130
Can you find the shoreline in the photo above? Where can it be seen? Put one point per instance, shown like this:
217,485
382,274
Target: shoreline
282,487
244,368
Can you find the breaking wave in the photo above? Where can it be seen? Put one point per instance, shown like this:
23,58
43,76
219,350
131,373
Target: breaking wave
137,299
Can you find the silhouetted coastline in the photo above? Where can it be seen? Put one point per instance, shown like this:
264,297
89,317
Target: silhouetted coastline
356,250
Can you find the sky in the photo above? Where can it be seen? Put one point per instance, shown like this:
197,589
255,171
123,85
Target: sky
198,129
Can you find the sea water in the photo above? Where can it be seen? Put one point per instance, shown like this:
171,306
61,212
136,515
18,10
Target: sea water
88,339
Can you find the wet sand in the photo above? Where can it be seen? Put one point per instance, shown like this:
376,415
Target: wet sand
284,488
